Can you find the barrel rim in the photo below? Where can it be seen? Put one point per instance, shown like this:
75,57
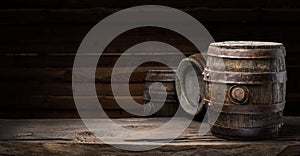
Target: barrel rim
182,67
247,45
239,53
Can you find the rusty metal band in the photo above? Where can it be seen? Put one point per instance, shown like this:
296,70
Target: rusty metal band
160,101
198,60
246,133
166,71
245,109
245,77
245,53
160,77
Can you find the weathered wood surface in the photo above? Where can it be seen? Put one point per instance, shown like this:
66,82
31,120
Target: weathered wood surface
44,39
189,73
39,39
154,93
59,113
254,88
128,3
93,14
71,137
65,39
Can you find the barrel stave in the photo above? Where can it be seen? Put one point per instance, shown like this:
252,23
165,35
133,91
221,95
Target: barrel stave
156,95
246,65
267,94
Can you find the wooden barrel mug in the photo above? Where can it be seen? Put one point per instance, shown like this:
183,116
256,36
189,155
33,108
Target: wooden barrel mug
253,78
170,103
189,72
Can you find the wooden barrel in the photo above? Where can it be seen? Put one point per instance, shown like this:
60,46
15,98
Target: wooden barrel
189,74
170,103
249,78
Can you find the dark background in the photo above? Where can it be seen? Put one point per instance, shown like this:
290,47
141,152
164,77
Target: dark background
39,40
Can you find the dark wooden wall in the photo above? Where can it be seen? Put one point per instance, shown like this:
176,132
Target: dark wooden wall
39,40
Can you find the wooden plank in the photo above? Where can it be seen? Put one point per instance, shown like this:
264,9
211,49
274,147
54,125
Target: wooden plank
292,60
56,61
52,81
61,39
94,15
65,89
256,31
292,106
43,47
32,103
56,22
291,150
293,83
93,3
30,3
103,74
50,148
185,4
129,3
59,114
62,89
59,103
71,137
67,61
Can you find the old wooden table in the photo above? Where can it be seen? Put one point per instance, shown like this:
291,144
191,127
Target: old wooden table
71,137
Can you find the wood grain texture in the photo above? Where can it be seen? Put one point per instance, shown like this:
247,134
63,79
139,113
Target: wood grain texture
63,75
154,93
64,89
53,103
71,137
66,38
244,90
39,39
94,15
56,61
29,106
130,3
60,114
57,39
